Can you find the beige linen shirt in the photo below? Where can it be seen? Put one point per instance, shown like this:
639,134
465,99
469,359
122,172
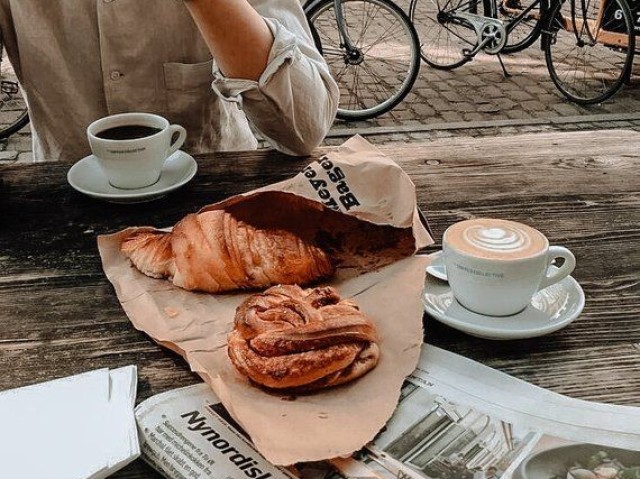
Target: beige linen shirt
79,60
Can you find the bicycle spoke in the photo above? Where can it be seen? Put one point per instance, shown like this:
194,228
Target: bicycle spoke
13,109
379,82
383,38
384,62
589,71
341,73
443,42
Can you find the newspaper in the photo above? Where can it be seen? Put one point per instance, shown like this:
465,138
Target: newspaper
455,419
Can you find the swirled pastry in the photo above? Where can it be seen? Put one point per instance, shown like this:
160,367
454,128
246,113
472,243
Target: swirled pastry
213,252
302,339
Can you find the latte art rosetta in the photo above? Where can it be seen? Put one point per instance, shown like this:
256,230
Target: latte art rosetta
490,238
499,239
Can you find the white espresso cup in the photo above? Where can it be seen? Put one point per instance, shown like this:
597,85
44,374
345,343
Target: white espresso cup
494,267
132,148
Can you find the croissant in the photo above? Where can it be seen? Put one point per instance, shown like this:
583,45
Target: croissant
214,252
302,340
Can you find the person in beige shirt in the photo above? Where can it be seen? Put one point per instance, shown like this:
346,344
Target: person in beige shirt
211,66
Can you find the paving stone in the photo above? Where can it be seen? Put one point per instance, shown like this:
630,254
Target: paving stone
465,107
520,96
420,136
473,116
505,103
473,80
8,155
491,91
443,134
25,157
453,96
19,142
489,108
440,104
423,110
518,114
533,106
451,116
566,109
403,115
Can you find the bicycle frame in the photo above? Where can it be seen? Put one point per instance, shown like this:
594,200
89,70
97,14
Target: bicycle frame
477,22
593,28
545,7
345,40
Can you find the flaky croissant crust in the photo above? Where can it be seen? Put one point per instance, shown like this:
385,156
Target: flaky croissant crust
213,252
289,338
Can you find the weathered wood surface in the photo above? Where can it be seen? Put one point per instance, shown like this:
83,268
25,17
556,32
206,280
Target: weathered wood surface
60,316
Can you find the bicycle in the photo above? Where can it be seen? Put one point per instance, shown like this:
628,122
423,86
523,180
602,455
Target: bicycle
588,45
13,111
606,33
372,50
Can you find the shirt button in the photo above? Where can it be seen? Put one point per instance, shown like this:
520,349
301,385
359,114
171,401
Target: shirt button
115,75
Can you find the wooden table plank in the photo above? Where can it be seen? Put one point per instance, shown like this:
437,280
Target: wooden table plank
60,316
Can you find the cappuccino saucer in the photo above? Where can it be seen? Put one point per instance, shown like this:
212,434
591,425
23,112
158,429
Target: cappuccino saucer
87,177
550,309
437,268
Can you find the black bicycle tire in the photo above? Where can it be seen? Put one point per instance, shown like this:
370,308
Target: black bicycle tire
355,115
22,119
16,126
547,44
529,40
316,38
486,6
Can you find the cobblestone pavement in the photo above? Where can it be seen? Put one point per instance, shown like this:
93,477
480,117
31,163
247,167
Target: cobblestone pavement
475,99
479,92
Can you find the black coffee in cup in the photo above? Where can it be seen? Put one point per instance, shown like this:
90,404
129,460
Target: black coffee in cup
127,132
146,142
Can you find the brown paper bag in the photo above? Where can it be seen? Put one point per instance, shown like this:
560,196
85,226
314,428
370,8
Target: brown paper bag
370,225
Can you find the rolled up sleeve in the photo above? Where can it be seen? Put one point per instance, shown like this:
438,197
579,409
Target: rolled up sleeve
294,102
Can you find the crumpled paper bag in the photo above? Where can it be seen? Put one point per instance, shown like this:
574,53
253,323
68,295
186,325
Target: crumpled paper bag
361,207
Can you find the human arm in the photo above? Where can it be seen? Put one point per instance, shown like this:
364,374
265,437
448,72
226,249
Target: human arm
236,35
281,80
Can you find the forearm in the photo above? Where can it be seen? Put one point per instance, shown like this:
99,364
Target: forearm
236,35
294,102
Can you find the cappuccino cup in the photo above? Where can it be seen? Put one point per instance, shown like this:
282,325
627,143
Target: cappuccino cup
494,267
132,148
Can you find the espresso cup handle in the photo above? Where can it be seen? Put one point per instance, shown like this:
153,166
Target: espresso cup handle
182,135
564,270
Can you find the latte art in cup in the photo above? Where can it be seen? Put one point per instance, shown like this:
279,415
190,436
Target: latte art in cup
494,267
496,239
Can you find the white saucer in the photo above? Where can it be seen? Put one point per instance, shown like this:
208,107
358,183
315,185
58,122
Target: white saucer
551,309
437,267
87,177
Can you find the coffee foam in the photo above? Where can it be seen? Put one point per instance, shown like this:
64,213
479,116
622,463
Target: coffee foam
495,239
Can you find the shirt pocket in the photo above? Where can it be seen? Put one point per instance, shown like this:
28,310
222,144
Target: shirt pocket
192,103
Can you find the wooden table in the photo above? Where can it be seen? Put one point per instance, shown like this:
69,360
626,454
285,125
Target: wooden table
59,315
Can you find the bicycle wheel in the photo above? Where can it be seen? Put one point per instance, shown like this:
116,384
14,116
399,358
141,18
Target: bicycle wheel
13,109
589,60
527,30
444,38
379,72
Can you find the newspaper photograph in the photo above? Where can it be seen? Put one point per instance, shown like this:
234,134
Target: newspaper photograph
456,419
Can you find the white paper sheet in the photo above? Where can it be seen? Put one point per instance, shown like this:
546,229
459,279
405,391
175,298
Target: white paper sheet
75,427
